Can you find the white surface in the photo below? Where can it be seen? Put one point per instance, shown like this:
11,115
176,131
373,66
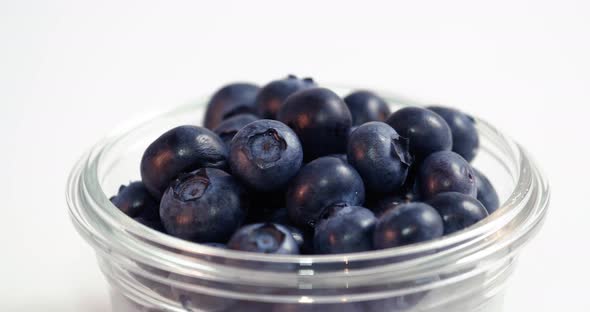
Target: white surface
72,70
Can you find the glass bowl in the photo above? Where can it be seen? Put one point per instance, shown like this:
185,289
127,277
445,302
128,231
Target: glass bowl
151,271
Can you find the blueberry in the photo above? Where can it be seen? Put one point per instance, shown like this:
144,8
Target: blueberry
177,151
322,183
272,96
265,155
320,119
380,156
388,202
457,210
465,137
203,206
426,130
446,172
266,238
135,201
350,229
486,193
407,224
366,106
230,100
228,128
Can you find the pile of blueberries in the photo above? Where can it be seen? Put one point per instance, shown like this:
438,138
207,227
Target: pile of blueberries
291,168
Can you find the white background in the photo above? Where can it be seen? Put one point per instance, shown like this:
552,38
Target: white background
72,70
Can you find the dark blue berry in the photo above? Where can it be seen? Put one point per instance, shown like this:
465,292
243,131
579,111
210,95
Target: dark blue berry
265,155
322,183
486,193
228,128
272,96
407,224
320,119
426,130
135,201
350,229
465,137
457,210
446,172
366,106
182,149
380,155
230,100
266,238
203,206
388,202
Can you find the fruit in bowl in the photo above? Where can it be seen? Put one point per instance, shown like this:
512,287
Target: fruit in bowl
294,168
298,197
